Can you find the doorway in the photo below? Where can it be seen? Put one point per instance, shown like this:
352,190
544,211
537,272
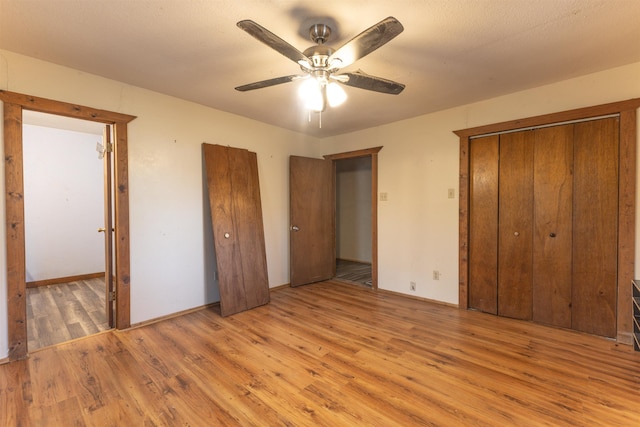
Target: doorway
356,220
313,212
353,220
65,216
14,106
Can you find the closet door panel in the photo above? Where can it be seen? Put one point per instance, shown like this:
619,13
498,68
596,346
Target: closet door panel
250,236
595,227
552,239
483,224
236,215
515,241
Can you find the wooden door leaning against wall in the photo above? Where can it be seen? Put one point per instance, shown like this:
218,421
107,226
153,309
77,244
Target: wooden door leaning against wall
236,215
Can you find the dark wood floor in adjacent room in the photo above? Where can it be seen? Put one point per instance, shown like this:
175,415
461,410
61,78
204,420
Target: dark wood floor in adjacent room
354,272
62,312
328,354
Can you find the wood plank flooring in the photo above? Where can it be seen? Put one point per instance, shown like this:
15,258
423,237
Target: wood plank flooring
352,271
328,354
61,312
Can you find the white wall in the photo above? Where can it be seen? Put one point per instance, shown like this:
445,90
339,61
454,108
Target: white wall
170,241
418,225
171,244
63,203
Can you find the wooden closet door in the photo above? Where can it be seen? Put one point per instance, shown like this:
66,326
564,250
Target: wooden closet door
595,206
515,241
236,214
553,217
483,224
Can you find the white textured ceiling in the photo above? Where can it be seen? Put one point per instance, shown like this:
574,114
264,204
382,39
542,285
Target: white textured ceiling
452,52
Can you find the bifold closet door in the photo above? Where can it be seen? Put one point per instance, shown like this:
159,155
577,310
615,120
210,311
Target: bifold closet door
238,234
515,241
595,229
553,218
550,195
483,224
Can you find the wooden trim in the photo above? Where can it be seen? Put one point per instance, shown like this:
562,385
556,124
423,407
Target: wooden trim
353,260
14,199
59,108
352,154
374,218
463,218
626,196
373,152
14,103
626,225
174,315
68,279
417,298
545,119
280,287
121,217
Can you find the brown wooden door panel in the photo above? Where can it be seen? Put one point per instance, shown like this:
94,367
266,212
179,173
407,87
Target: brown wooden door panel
250,229
515,241
483,224
312,234
595,227
552,239
237,228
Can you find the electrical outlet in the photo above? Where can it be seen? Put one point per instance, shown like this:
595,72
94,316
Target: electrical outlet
412,286
451,193
436,275
383,197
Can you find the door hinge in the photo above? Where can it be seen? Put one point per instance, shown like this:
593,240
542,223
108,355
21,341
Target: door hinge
112,296
108,147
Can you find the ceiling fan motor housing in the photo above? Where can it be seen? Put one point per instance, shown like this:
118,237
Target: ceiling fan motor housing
319,33
319,55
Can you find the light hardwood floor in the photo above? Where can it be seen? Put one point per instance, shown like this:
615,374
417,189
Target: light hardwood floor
61,312
328,354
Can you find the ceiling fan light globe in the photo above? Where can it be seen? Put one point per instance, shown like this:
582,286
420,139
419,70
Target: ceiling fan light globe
310,92
335,94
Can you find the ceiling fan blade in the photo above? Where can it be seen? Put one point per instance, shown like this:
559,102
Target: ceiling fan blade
273,41
364,81
269,82
366,42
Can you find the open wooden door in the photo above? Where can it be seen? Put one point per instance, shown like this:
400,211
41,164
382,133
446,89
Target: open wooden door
108,226
238,233
312,232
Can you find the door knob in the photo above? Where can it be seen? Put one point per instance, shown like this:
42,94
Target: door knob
101,230
295,228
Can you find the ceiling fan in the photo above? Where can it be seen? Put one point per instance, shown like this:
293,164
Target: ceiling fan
321,64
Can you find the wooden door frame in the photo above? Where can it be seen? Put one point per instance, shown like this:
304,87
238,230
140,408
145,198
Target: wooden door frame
373,153
14,104
626,197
